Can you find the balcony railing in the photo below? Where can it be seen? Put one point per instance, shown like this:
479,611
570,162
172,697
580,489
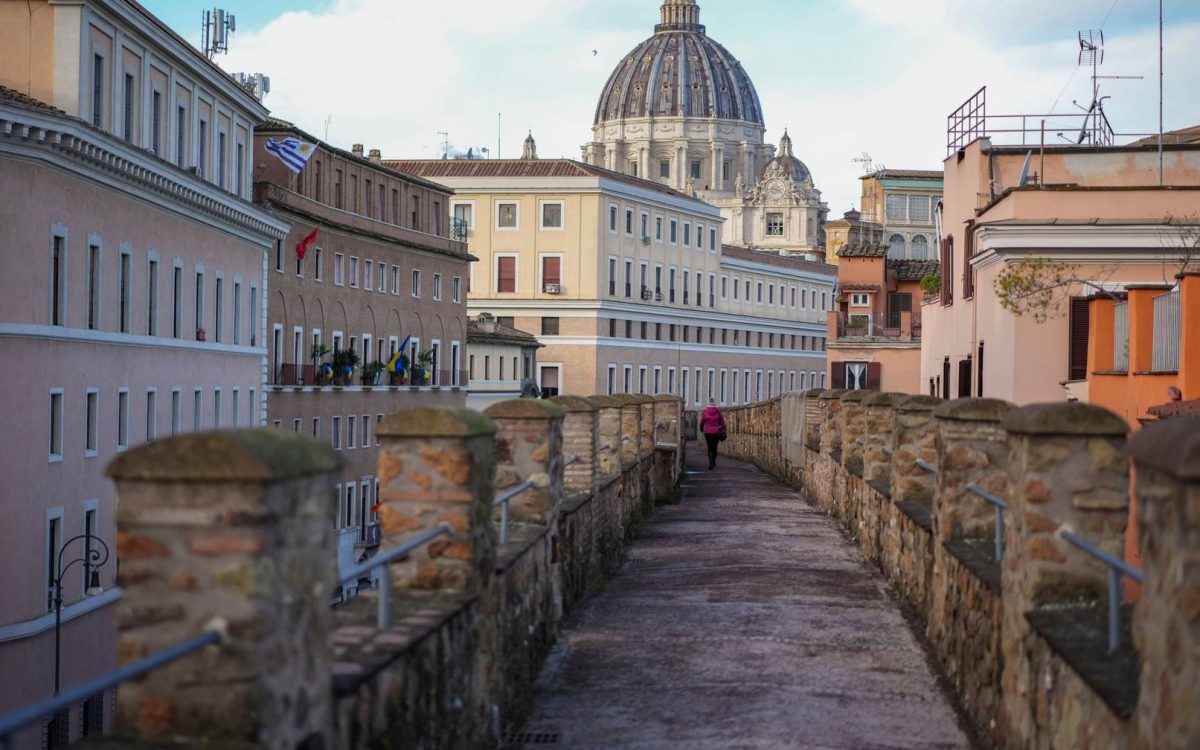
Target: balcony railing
1121,337
1164,356
889,325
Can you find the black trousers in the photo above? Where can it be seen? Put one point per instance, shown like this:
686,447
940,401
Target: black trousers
713,441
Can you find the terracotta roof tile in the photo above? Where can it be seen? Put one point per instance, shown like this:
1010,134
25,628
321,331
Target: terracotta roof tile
863,250
774,259
914,270
12,96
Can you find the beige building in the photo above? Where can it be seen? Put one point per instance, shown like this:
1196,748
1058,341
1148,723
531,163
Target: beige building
131,304
851,229
383,269
501,362
626,283
680,110
903,203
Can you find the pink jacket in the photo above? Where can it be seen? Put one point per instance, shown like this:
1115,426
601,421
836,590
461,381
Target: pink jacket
712,421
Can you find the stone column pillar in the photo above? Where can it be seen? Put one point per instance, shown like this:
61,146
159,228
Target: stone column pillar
914,437
608,437
646,439
880,419
668,448
436,466
529,440
580,437
831,423
972,449
1066,469
1166,621
813,417
718,158
631,427
233,531
854,425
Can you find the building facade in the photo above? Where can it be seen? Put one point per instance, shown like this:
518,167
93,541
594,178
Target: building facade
903,203
382,270
680,110
131,299
851,229
1099,211
501,362
626,283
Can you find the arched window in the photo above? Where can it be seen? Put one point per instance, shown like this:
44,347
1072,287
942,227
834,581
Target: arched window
896,247
920,247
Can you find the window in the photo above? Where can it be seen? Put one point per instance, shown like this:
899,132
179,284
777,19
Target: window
645,226
895,247
456,289
664,168
368,274
629,221
151,414
336,434
699,236
202,146
551,273
612,276
353,272
674,231
56,424
97,89
216,408
128,113
506,274
687,233
506,216
123,419
176,411
255,315
920,247
437,287
552,215
759,293
774,225
58,281
93,287
695,169
219,308
197,419
124,272
237,312
612,218
180,135
628,278
152,298
464,215
770,294
339,269
366,430
318,257
895,207
611,380
918,208
671,284
658,228
239,169
415,212
549,326
712,239
416,283
351,436
221,160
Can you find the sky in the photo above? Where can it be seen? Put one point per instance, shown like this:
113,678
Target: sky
844,76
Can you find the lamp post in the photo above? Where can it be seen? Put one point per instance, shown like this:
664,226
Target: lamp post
92,559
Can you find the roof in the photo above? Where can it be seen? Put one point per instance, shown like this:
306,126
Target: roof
914,270
12,96
863,250
906,174
679,72
277,125
859,287
774,259
440,168
1183,135
501,335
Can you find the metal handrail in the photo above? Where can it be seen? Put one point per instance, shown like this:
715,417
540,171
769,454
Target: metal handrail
1116,568
1000,505
888,451
537,480
25,716
927,466
383,614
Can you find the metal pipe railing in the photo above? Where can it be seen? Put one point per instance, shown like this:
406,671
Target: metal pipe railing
1116,568
927,466
383,615
539,480
889,452
1000,506
77,693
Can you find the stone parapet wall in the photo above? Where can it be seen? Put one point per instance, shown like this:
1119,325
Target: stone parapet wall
234,531
1022,640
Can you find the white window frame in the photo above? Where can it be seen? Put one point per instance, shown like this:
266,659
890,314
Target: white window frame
614,218
339,269
456,289
541,282
516,216
354,269
437,287
516,272
176,410
57,421
470,219
122,419
860,299
91,413
415,283
562,216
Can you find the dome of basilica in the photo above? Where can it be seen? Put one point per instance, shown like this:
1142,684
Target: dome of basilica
786,164
679,72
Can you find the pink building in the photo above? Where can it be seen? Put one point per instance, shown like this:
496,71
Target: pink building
1105,211
130,304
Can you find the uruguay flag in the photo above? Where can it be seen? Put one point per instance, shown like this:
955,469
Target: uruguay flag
291,151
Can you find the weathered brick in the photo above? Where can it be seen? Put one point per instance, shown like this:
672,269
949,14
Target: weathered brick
216,546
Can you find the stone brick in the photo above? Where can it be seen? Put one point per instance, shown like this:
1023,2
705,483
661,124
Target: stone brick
1036,491
392,521
216,546
453,466
1044,548
156,715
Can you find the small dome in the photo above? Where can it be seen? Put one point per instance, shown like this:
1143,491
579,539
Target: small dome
679,72
787,164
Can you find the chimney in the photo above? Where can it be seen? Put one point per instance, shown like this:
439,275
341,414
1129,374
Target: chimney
357,150
374,155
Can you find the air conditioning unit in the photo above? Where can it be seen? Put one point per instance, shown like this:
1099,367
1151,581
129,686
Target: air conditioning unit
645,239
552,288
658,296
646,293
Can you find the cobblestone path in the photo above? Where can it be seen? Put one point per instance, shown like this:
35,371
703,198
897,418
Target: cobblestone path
742,618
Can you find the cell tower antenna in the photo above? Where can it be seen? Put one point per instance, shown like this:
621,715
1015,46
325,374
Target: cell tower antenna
217,26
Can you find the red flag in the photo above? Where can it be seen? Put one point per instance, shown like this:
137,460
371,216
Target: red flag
302,248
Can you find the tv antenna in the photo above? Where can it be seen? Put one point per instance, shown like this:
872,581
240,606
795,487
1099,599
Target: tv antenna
1091,52
445,143
865,160
218,25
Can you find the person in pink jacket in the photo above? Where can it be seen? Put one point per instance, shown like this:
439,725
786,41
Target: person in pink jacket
712,426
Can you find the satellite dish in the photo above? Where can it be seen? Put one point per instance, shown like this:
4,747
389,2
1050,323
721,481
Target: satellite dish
1025,170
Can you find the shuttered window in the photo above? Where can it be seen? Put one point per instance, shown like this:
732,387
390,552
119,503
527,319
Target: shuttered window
1078,345
964,378
968,273
947,293
551,270
506,274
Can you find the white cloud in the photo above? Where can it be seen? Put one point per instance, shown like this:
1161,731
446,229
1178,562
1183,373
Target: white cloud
392,74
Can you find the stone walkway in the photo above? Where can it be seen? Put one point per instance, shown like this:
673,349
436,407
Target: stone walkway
741,619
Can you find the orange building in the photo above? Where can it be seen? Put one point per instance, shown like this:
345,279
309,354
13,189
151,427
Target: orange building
874,339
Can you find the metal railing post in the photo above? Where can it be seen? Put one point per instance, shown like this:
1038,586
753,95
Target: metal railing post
1114,609
999,533
383,617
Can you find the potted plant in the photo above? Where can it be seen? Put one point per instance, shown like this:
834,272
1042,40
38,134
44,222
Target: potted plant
931,284
371,372
344,361
319,353
423,372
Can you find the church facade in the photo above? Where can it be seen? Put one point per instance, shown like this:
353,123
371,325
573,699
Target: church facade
680,110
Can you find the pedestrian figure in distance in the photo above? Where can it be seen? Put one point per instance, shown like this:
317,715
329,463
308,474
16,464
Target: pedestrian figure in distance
712,426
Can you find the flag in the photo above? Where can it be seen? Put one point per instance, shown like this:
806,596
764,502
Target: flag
396,363
304,244
293,152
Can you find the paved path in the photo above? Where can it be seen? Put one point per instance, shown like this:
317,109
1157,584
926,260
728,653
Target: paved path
741,619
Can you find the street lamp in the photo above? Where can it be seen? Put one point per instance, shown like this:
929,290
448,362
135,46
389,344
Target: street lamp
91,559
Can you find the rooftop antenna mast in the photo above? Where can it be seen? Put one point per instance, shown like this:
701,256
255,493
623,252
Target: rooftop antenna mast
218,25
865,160
1091,52
445,143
